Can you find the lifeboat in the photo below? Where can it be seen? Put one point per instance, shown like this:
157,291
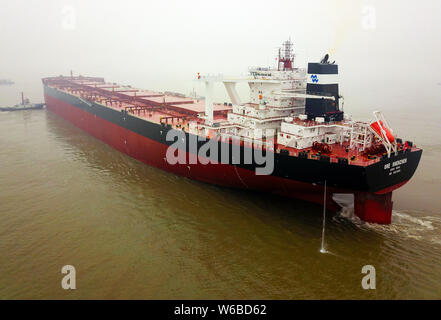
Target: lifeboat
376,127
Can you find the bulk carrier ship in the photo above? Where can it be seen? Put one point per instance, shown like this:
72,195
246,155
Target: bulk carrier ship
294,118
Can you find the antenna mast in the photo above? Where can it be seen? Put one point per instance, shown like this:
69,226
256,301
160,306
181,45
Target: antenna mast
288,56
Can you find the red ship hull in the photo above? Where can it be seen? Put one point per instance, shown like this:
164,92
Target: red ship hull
153,153
370,207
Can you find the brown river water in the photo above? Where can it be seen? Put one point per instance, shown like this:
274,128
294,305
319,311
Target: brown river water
136,232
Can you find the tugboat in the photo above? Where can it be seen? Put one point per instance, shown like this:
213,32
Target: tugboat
24,105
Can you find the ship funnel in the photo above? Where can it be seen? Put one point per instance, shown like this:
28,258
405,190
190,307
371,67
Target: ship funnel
323,81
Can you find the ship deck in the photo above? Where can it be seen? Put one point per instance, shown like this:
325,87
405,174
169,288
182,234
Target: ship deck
179,111
150,105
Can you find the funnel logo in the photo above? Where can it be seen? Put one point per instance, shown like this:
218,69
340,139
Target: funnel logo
314,78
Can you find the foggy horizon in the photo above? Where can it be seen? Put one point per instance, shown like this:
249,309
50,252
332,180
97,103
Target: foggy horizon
381,48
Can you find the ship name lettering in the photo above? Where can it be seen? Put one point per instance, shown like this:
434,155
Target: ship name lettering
399,162
395,164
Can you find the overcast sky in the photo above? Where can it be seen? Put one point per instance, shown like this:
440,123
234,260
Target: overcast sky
384,48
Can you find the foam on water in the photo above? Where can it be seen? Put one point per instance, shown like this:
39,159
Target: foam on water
406,219
403,224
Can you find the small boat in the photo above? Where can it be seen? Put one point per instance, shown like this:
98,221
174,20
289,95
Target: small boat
24,105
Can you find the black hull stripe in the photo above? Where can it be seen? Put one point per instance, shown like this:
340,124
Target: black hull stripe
347,177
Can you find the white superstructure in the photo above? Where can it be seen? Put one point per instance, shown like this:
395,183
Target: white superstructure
278,107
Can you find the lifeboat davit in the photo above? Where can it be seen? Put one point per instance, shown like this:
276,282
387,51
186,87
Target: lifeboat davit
376,128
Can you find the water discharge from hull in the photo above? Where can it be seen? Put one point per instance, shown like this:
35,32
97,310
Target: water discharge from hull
323,248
